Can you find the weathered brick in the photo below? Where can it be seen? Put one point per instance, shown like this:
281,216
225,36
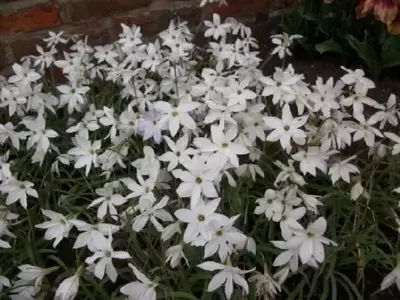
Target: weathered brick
78,10
150,22
23,44
3,56
40,16
158,17
98,31
241,7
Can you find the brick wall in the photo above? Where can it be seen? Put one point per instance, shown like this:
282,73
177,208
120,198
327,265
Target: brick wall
23,23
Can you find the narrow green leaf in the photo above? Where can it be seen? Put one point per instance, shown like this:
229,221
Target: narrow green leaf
329,46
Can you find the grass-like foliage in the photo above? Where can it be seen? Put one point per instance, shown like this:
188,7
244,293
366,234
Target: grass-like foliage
171,170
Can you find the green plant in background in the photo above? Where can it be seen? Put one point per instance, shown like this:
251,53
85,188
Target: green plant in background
334,27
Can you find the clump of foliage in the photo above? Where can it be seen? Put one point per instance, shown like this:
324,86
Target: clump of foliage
338,27
169,170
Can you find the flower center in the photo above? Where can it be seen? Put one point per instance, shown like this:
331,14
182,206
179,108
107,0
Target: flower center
175,114
225,145
269,201
107,254
286,128
278,83
201,218
199,180
310,235
219,233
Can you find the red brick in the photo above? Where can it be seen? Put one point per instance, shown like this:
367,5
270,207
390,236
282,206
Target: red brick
78,10
40,16
23,44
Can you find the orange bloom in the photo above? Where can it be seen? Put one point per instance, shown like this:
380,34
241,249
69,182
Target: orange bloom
385,10
394,26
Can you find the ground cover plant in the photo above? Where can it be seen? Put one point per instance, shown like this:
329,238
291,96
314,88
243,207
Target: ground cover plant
174,170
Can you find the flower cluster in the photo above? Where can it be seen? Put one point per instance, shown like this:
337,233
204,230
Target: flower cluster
204,118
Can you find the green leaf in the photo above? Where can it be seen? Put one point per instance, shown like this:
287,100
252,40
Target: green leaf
390,58
182,295
366,53
329,46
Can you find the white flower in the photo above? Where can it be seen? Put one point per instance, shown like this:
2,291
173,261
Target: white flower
289,220
357,190
215,28
85,153
108,201
92,236
170,231
357,101
38,135
224,238
174,255
7,132
310,241
228,275
73,96
286,129
54,39
357,79
288,172
143,289
238,93
312,159
220,2
175,116
68,288
197,180
281,87
143,190
310,201
152,212
57,229
266,286
104,265
18,191
392,277
33,275
179,152
24,75
283,42
271,205
223,146
149,165
366,131
199,219
343,169
4,282
150,127
325,97
388,114
395,138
